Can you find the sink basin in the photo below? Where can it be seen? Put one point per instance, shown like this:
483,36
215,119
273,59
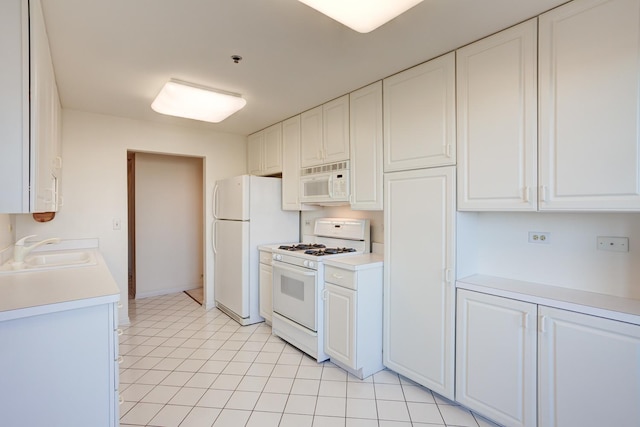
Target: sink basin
50,260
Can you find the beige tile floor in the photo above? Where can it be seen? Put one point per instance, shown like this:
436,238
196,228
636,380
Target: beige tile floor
184,366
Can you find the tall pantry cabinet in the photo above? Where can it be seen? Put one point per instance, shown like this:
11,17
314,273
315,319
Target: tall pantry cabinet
419,303
30,159
419,207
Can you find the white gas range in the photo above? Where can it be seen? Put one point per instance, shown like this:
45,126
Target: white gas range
298,280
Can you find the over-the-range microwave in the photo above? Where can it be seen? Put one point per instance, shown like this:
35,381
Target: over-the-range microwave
325,184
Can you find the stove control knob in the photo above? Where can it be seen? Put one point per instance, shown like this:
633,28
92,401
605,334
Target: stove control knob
277,257
306,263
311,264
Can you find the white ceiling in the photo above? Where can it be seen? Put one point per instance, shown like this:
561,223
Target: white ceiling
113,56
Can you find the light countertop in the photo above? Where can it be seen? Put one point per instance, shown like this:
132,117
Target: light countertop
356,262
611,307
270,248
24,294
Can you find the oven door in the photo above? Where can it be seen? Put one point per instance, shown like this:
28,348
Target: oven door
294,294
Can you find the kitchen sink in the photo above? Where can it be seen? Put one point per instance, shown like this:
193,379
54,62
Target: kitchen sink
50,260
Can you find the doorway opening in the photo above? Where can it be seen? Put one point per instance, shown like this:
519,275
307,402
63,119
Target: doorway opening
166,225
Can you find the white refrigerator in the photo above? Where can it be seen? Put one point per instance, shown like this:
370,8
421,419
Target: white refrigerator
247,213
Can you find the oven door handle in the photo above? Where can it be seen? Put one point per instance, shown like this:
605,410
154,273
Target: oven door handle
296,270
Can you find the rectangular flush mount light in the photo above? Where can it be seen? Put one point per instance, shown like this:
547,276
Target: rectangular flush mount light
182,99
362,15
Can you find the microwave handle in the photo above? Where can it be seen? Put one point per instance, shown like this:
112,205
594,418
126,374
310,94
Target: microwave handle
331,186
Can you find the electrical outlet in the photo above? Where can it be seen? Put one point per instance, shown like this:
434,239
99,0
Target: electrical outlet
539,237
613,244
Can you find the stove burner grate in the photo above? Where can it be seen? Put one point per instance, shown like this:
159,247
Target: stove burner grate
328,251
302,247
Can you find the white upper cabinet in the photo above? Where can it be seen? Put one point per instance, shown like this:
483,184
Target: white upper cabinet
589,68
45,117
311,137
335,130
264,151
419,116
291,166
325,133
255,142
497,121
30,158
366,147
272,154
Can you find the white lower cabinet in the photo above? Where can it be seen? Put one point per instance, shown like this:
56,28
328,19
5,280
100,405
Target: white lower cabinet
585,368
419,303
266,286
496,357
353,319
589,370
60,369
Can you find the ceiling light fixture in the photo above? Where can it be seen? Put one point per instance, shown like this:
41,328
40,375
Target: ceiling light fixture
362,16
191,101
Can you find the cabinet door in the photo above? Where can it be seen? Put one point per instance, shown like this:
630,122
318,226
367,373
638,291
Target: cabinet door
57,360
366,147
419,267
340,324
335,130
311,137
589,370
496,357
291,164
497,121
272,152
14,107
255,144
419,116
589,68
266,291
44,130
291,167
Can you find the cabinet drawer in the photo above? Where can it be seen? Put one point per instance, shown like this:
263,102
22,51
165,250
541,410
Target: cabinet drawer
265,257
338,276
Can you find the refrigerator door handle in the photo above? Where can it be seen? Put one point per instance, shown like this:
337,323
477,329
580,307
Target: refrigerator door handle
214,237
215,201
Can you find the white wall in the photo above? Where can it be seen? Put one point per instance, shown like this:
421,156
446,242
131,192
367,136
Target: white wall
497,244
95,182
169,226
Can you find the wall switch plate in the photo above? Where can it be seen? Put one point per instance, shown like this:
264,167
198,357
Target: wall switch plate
613,244
540,237
116,224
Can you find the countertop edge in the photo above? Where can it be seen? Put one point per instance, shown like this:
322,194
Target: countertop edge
601,305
